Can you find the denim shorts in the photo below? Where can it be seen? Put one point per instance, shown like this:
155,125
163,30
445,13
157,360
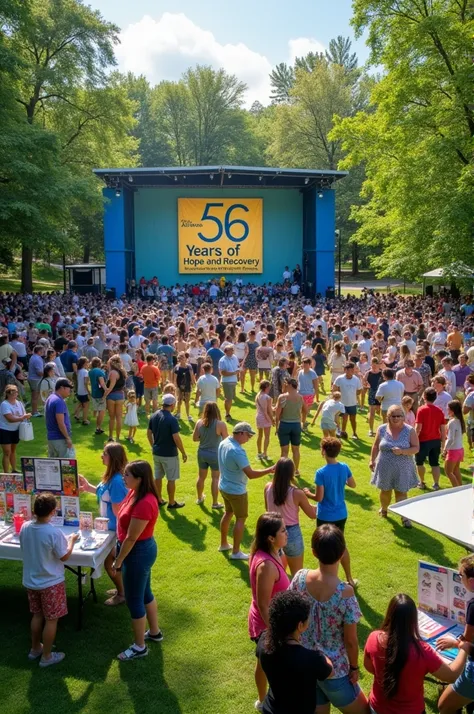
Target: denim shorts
464,684
340,692
289,432
328,425
295,544
115,396
207,459
350,411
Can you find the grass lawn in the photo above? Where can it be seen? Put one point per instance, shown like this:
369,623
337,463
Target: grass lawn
205,664
45,278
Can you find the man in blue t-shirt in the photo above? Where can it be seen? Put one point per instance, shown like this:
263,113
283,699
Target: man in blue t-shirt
58,424
331,481
215,354
166,353
165,441
235,471
97,382
69,359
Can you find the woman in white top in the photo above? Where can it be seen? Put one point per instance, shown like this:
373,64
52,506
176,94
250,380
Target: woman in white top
46,385
241,349
336,362
453,448
12,413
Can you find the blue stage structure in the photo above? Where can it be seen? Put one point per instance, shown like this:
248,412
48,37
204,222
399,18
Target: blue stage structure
141,220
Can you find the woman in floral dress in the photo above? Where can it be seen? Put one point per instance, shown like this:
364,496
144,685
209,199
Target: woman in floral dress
332,623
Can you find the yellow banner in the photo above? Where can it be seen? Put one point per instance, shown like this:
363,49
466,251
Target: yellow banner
220,235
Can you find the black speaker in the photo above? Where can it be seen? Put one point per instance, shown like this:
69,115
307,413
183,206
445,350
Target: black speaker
110,294
429,291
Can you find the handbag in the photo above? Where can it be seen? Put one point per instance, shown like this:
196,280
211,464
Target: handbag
26,431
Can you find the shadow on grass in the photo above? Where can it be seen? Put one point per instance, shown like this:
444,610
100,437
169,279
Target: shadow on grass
360,499
418,541
373,618
192,532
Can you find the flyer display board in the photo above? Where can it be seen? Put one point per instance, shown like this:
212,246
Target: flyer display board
223,235
59,476
441,592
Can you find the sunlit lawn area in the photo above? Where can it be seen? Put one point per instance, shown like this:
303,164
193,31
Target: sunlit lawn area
205,663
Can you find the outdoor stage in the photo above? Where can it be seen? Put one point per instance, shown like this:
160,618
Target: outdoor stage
188,224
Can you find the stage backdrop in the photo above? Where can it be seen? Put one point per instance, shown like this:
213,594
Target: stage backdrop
157,232
220,234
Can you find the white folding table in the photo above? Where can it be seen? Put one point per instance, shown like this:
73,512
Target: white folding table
78,564
448,512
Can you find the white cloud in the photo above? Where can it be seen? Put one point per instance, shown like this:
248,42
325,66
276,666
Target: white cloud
301,46
162,49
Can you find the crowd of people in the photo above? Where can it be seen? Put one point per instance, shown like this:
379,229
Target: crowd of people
407,362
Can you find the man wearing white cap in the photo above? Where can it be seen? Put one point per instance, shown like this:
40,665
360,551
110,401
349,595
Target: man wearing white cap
235,471
163,436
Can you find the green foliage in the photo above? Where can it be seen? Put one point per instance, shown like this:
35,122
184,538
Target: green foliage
202,121
415,142
75,116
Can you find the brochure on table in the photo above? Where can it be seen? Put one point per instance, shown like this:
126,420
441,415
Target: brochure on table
58,476
442,603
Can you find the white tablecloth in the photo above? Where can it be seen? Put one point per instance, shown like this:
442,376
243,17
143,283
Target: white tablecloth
448,512
84,558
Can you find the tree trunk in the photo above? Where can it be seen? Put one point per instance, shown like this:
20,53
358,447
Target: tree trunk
355,259
26,269
86,255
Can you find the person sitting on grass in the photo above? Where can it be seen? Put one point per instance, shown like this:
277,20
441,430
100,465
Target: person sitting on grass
45,549
283,658
331,481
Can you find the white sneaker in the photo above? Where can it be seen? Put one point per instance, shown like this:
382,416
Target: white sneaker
239,556
200,501
258,705
224,548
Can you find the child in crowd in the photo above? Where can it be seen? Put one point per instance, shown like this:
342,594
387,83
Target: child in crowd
169,388
131,415
44,550
453,449
442,396
82,391
264,418
330,408
331,481
449,375
407,403
363,368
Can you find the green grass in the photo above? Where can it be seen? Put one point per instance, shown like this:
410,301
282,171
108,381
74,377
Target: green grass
205,664
45,278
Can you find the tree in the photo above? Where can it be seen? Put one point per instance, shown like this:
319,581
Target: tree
282,79
416,143
64,47
340,53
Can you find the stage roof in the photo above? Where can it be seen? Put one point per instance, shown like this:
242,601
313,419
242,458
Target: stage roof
219,176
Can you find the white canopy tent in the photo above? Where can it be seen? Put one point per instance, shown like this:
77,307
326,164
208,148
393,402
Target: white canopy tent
450,273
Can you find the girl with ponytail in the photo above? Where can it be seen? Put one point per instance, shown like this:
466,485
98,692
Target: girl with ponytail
291,669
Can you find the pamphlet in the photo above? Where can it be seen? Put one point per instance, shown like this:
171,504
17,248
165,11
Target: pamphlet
13,483
433,583
2,506
47,475
70,510
22,504
86,521
9,507
452,653
458,598
56,475
432,625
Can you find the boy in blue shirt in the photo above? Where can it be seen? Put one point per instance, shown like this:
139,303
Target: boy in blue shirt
331,481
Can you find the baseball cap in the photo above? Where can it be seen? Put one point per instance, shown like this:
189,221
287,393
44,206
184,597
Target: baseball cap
63,382
243,427
169,399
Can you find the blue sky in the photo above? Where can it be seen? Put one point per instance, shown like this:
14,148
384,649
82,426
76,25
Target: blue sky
247,37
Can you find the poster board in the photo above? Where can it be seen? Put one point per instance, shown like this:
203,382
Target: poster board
58,476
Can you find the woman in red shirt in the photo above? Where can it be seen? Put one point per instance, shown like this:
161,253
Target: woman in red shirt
136,553
399,661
